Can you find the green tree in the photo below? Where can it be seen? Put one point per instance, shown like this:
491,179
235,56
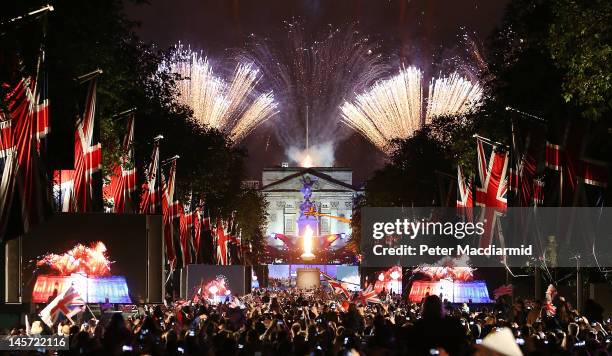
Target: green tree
408,179
580,42
251,215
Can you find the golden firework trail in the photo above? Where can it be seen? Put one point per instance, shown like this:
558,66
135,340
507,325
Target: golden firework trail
394,108
233,107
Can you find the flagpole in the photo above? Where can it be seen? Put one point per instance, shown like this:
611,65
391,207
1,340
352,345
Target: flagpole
89,76
170,160
124,113
525,114
489,141
92,314
42,10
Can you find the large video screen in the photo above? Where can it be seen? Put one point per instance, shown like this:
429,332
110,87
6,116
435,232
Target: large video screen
285,275
126,242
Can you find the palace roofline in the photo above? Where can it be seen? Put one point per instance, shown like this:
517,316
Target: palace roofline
280,168
312,170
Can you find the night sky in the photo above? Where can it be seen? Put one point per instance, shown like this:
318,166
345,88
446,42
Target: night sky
417,32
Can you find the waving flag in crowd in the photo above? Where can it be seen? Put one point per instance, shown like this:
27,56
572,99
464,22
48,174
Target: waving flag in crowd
506,289
338,287
368,295
67,303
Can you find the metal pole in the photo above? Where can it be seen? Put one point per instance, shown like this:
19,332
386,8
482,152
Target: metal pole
525,114
578,285
170,160
85,77
538,283
148,296
42,10
307,129
124,113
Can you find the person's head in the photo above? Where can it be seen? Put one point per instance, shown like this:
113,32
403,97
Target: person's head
475,330
295,328
65,330
36,328
432,308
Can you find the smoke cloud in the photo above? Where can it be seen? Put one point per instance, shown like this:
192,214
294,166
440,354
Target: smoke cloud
320,155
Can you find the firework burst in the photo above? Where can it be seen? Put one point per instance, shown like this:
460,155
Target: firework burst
395,108
313,73
234,107
92,260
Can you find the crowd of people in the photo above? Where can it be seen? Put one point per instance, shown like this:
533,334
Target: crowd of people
314,322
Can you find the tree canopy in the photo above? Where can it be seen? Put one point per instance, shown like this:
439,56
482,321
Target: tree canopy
82,36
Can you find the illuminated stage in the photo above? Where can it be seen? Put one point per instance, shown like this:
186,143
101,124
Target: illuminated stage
455,292
111,289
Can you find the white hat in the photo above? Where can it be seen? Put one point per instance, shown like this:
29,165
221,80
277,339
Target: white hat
502,341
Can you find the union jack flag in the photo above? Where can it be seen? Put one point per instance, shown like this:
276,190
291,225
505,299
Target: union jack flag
123,178
368,296
181,227
68,303
464,190
8,164
41,103
337,287
222,240
568,159
525,172
24,195
492,188
76,190
151,196
506,289
168,213
197,234
232,235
